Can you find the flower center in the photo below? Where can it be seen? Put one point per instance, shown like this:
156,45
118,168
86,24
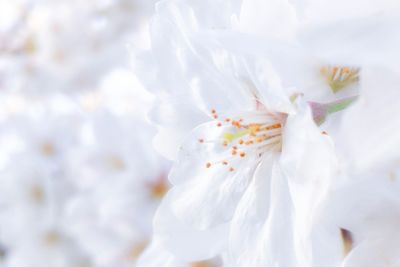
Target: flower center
340,77
160,187
117,163
250,135
37,194
52,238
135,251
47,149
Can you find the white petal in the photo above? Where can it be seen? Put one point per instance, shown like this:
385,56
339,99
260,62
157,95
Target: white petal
309,161
368,132
156,256
184,241
270,18
357,42
262,230
372,253
206,197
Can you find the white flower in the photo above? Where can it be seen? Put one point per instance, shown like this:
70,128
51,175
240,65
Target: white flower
252,181
258,163
80,182
88,182
57,46
355,226
34,190
120,182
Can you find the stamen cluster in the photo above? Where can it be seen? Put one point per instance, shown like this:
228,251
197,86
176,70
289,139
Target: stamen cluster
340,77
260,132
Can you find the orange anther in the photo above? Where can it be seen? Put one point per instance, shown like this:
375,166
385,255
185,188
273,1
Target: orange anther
208,165
273,126
346,70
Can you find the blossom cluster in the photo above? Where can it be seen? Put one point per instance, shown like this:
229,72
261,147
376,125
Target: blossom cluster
281,118
199,133
79,181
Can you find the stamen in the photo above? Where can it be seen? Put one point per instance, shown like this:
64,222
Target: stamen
253,138
340,77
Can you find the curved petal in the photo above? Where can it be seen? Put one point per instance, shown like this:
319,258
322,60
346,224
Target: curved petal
262,231
182,240
355,41
262,17
309,161
383,251
367,134
207,195
322,11
367,207
156,256
308,154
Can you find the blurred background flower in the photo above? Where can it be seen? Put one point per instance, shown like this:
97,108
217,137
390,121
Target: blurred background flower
79,180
